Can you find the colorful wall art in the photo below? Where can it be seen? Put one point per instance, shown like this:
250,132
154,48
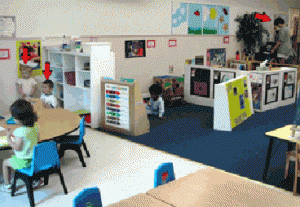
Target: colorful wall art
210,19
179,18
216,57
223,25
195,19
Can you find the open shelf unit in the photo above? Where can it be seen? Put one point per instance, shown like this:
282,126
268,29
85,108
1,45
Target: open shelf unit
79,96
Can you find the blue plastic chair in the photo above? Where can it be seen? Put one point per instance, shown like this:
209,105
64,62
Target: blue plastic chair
89,197
45,161
70,142
11,121
158,174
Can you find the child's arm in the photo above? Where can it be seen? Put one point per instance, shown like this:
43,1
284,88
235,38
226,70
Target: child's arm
21,90
15,142
32,91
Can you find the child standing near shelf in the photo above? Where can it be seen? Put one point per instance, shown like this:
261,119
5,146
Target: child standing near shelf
27,84
22,140
48,99
156,105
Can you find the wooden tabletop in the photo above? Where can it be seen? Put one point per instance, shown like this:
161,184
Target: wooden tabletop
213,187
283,133
52,122
140,200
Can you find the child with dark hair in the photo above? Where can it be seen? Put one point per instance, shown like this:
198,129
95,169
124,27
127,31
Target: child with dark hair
48,99
156,104
22,140
284,45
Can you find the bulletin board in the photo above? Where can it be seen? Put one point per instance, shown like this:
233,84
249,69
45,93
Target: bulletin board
35,56
122,108
233,103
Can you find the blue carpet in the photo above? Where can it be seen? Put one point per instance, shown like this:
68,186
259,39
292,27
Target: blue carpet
188,132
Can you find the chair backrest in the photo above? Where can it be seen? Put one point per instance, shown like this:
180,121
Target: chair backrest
89,197
45,156
164,174
81,130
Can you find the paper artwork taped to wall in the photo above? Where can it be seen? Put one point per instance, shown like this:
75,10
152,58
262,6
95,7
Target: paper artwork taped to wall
200,88
135,49
195,19
216,57
210,19
29,56
223,21
179,18
256,95
271,95
288,92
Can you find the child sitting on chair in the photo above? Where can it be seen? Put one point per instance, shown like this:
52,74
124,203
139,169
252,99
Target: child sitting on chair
27,84
48,99
156,105
22,140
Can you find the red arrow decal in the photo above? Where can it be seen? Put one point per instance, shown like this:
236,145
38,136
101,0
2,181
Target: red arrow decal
25,56
262,17
47,71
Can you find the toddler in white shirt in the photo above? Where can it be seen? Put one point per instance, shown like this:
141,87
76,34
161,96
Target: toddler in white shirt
48,99
27,84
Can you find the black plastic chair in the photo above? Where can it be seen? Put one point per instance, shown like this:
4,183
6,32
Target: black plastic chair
74,142
45,161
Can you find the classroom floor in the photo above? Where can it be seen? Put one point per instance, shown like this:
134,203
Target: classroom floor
119,168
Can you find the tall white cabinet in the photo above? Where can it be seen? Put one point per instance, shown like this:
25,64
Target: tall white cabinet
78,96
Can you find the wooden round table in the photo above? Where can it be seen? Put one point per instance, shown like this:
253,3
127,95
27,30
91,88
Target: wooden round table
52,122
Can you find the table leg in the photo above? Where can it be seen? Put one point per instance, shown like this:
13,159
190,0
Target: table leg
296,170
268,159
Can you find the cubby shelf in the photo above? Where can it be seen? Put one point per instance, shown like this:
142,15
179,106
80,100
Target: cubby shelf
78,96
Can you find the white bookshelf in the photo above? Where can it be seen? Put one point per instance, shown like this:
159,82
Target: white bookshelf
102,64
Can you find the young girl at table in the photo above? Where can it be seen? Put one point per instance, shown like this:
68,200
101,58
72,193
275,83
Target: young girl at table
48,99
22,140
156,104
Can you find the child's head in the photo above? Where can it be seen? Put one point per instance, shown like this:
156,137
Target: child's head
26,73
279,22
22,111
155,90
47,86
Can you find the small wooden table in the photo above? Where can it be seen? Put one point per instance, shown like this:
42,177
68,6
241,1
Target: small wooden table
283,134
52,122
213,187
140,200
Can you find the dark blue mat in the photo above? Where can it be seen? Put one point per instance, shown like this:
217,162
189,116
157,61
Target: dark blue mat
188,132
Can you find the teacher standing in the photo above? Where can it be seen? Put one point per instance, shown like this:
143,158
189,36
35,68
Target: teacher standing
284,45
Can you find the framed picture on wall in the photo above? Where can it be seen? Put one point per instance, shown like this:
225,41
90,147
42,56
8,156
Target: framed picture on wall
135,48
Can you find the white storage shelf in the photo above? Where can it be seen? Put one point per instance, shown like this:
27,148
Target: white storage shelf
79,96
70,97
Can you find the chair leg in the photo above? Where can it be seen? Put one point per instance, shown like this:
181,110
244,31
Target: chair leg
13,189
29,187
46,179
85,148
287,163
61,151
62,181
78,150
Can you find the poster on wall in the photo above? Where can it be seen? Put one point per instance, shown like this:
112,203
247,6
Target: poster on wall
117,106
134,49
195,19
200,82
179,18
216,56
210,19
223,24
29,55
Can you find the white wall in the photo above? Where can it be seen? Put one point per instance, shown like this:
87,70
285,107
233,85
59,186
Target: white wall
37,18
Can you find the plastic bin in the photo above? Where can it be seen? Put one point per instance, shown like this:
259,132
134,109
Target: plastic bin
70,77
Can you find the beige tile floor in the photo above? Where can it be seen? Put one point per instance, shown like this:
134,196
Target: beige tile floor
119,168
